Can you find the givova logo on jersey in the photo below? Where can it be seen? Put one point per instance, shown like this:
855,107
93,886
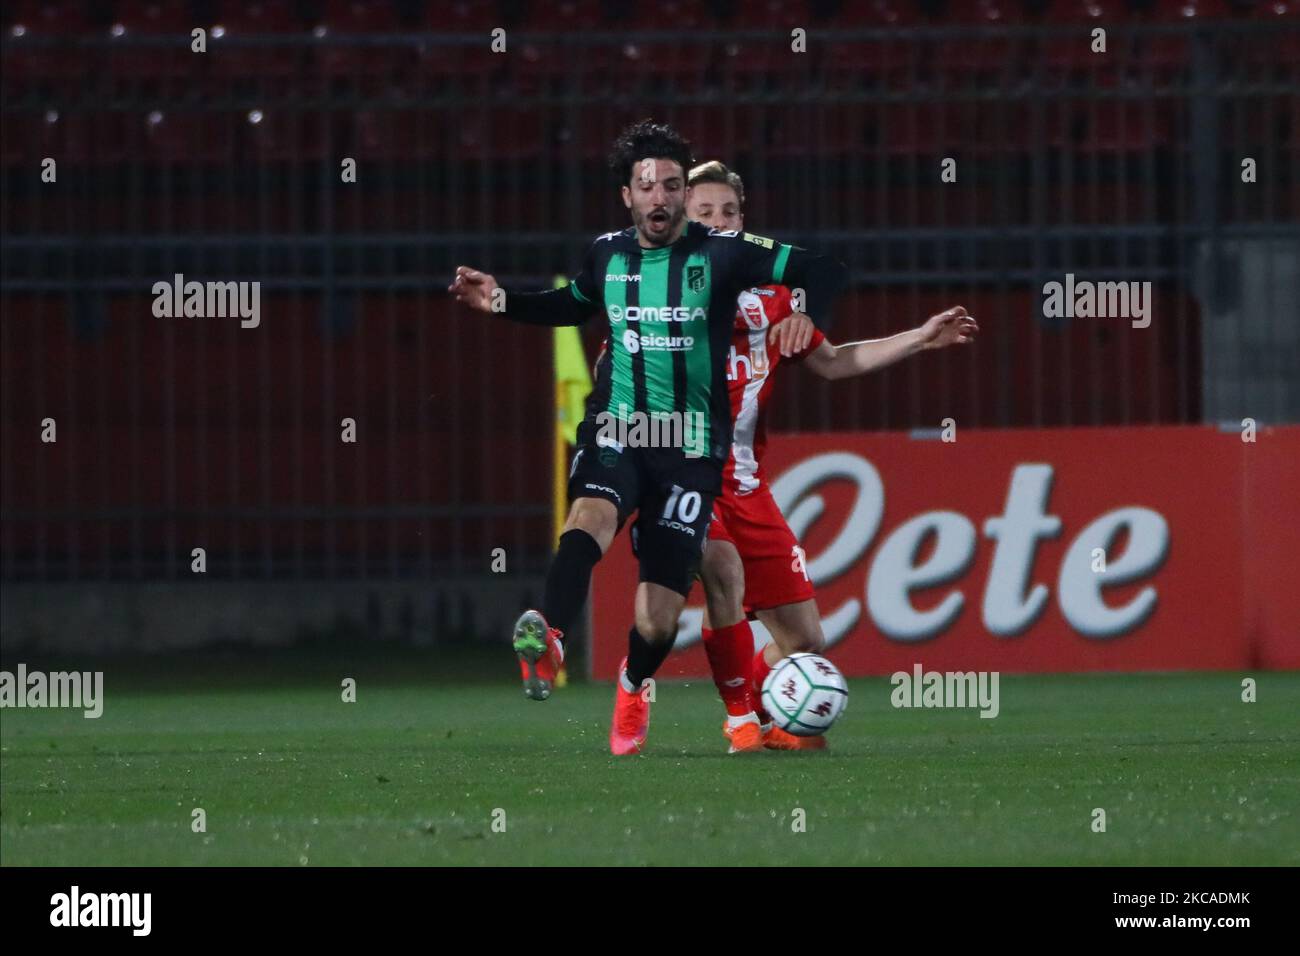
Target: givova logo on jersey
634,343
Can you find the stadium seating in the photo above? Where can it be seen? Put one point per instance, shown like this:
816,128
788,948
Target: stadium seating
235,155
236,21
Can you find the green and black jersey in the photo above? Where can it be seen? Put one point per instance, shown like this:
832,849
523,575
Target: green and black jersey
671,313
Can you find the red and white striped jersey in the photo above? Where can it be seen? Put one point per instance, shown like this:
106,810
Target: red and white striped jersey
750,365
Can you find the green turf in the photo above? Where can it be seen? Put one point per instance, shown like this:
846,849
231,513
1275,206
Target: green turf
412,772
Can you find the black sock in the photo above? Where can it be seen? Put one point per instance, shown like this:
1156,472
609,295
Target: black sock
569,578
644,658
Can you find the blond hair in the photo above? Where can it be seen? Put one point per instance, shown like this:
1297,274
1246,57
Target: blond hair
715,172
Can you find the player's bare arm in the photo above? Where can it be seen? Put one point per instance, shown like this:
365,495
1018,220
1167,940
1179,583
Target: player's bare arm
950,327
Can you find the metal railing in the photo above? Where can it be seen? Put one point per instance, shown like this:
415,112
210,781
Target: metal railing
173,433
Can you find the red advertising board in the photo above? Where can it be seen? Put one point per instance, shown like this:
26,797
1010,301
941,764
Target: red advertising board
1150,548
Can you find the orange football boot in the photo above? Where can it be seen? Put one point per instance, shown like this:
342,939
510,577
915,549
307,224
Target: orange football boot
631,723
745,739
774,738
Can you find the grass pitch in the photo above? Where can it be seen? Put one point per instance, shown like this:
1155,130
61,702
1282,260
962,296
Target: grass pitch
417,771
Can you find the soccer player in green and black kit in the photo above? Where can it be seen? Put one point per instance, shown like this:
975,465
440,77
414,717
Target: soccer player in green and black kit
669,287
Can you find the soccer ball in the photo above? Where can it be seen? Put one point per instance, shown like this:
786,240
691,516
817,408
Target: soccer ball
805,694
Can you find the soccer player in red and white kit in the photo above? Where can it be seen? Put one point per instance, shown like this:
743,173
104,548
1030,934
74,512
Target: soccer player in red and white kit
752,561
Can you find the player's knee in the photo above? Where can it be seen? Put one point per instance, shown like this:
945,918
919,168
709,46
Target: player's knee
723,580
808,641
657,628
797,634
597,517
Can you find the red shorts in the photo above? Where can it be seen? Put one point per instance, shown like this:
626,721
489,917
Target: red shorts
774,562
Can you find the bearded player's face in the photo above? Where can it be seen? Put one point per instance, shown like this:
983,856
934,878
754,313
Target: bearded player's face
656,197
715,205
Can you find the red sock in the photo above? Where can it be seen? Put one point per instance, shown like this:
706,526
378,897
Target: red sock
759,669
728,650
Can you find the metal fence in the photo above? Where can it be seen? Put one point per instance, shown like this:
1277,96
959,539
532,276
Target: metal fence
228,165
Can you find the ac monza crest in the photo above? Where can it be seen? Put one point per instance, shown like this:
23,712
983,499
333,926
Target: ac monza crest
753,312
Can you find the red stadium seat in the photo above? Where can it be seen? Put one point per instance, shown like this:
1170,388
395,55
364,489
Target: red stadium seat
562,65
724,129
1170,52
850,63
1178,10
480,135
1286,14
918,127
877,14
189,137
746,62
28,136
467,63
105,136
1117,126
154,20
462,16
643,66
677,15
1073,51
976,54
28,23
344,19
286,135
565,16
593,133
399,134
236,20
779,15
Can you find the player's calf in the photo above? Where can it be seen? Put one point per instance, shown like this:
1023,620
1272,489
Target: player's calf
728,650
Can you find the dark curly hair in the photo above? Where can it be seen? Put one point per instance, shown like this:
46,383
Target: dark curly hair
648,139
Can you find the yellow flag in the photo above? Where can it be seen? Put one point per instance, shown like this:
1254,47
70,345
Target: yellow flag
572,385
572,378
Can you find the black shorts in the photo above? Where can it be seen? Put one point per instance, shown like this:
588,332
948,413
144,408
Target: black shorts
672,495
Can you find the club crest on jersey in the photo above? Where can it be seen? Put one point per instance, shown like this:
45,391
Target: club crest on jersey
695,278
752,311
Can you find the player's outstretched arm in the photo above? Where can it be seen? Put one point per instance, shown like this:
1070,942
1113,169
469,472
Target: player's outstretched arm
821,277
762,261
950,327
473,288
554,307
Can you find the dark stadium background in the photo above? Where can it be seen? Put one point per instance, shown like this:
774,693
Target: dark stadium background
225,165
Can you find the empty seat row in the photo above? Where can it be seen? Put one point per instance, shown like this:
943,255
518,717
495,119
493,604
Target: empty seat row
306,135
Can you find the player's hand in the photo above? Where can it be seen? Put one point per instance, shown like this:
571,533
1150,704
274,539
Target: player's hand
792,335
949,327
473,288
